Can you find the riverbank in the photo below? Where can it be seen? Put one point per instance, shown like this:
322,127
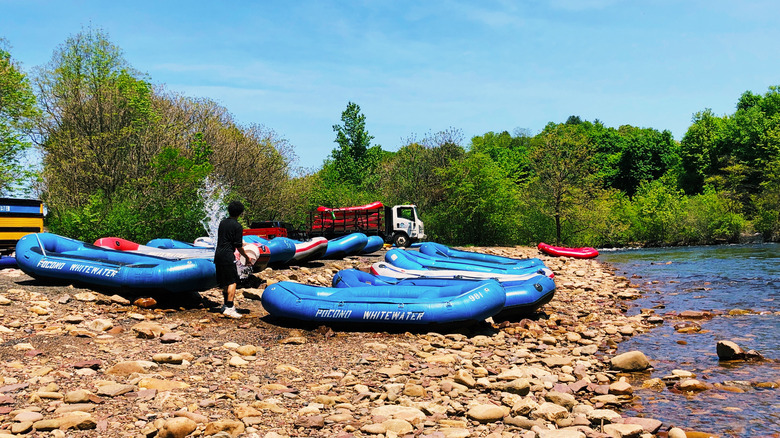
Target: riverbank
86,364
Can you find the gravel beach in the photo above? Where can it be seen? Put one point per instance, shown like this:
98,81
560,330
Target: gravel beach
83,363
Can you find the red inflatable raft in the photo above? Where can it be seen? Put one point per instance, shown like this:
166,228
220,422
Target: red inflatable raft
562,251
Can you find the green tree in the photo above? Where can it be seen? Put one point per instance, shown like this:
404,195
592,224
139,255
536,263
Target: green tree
97,111
509,152
563,174
354,158
17,112
479,204
699,150
410,175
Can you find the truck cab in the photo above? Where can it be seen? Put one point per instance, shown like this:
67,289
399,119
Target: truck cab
406,225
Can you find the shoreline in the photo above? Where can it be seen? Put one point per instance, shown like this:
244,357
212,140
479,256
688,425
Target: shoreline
74,358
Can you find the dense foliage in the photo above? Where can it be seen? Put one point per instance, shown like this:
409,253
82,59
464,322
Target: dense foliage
124,157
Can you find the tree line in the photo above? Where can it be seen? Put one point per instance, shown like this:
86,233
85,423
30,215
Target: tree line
122,156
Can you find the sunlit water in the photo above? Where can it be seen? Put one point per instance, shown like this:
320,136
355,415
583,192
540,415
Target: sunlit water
213,194
718,279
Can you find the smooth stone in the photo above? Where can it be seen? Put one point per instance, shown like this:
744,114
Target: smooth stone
623,430
73,420
487,413
561,399
115,389
630,361
161,385
126,368
676,432
177,427
170,358
693,385
400,427
621,388
28,416
465,378
650,425
602,415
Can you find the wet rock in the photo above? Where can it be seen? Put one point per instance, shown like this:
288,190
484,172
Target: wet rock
692,385
630,361
728,350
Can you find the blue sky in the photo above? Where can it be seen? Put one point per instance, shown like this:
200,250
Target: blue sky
417,67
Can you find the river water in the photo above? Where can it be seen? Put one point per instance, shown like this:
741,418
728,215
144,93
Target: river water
718,279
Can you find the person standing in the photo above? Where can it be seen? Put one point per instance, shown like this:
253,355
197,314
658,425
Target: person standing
230,237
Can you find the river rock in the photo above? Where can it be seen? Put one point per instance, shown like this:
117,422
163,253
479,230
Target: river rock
233,428
561,399
149,330
487,413
73,420
177,427
126,368
649,425
550,412
398,426
631,361
623,430
561,433
692,385
676,432
170,358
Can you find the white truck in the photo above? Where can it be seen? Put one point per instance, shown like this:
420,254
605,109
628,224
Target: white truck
399,224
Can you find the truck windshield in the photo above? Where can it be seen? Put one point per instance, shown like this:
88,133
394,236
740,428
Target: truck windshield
407,213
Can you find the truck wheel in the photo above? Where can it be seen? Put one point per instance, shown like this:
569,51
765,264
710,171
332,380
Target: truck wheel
401,240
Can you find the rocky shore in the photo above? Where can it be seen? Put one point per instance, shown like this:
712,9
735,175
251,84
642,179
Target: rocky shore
82,363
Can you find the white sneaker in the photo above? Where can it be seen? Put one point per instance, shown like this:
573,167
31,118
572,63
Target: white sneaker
231,312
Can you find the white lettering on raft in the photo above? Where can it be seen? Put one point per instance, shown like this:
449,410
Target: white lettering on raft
46,264
93,270
332,313
393,316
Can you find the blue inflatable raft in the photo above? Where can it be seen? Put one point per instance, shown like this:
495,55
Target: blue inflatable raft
415,260
522,296
49,256
7,262
344,246
442,251
373,244
411,305
282,248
